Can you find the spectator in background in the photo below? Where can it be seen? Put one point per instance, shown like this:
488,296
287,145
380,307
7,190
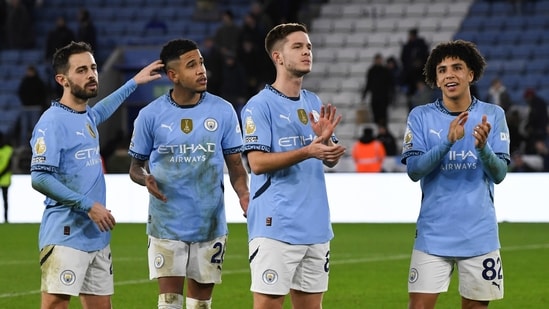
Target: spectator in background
392,64
227,34
19,30
214,62
33,94
283,11
61,35
536,125
498,94
86,31
256,64
413,56
368,153
516,136
519,165
423,95
380,84
233,87
387,139
6,154
262,19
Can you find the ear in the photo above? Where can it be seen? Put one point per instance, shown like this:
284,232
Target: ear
172,76
277,58
61,80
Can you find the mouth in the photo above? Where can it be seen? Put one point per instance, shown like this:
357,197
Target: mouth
91,85
451,85
202,81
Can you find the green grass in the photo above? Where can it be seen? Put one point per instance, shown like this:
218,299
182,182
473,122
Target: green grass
369,268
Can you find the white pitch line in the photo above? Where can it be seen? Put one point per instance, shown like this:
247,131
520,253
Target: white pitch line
241,271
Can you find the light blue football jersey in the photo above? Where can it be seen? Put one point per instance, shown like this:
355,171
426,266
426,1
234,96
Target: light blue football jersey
457,216
66,144
185,147
289,205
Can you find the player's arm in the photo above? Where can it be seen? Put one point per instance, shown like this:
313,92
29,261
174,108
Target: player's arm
418,166
140,174
107,106
266,162
239,179
45,183
494,166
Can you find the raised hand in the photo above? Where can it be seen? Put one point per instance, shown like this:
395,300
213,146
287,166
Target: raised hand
481,132
149,73
456,131
326,123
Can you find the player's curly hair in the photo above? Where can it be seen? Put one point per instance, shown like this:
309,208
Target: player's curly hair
464,50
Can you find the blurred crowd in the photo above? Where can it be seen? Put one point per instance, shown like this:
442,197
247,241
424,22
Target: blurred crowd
238,67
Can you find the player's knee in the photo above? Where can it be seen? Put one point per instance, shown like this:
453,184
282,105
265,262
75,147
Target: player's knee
170,301
192,303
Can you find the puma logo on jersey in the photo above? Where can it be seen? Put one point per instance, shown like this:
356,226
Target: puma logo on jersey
285,117
435,132
169,127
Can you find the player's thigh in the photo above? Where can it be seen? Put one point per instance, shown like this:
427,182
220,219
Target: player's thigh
481,277
63,270
167,258
273,264
95,301
206,260
99,277
311,275
429,273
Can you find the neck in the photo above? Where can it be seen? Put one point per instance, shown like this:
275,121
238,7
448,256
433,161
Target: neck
290,87
459,104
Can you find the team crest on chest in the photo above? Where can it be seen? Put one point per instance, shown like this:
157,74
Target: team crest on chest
210,124
187,125
90,130
302,115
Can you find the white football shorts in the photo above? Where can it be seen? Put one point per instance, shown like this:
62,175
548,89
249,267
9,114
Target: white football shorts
276,267
480,277
201,261
70,271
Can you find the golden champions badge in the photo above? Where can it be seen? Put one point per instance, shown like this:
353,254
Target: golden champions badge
408,136
90,130
40,146
302,115
250,125
186,125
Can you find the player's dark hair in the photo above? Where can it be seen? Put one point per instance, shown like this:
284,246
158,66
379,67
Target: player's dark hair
175,48
60,60
279,33
464,50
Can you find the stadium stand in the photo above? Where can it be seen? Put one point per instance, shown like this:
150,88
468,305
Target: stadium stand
345,33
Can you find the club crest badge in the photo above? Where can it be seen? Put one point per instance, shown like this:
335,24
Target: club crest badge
210,124
67,277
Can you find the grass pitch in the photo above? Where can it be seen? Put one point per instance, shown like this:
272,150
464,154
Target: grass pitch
368,269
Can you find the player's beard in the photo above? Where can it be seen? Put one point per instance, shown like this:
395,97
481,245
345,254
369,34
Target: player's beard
82,93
